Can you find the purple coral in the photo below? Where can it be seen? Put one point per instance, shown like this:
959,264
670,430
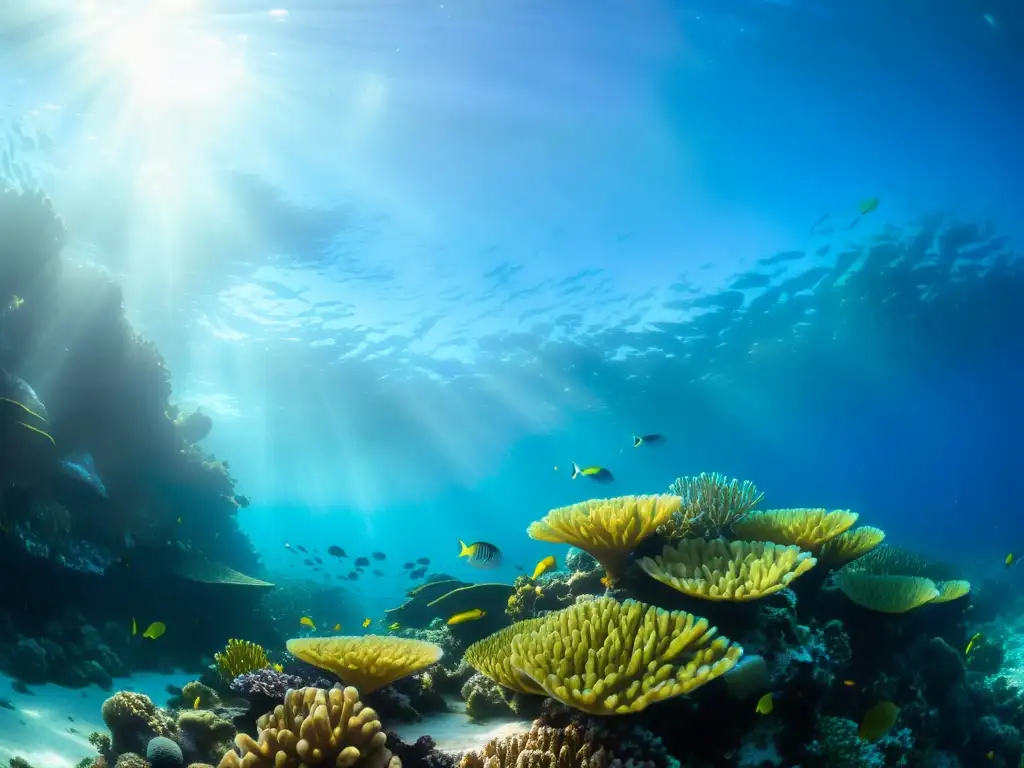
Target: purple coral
267,682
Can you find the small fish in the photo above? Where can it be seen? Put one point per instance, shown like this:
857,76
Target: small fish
336,627
868,206
289,547
378,556
179,521
307,622
318,560
278,667
334,551
155,630
394,626
195,704
765,704
423,561
301,548
519,568
639,440
821,220
367,622
597,474
361,570
545,565
990,754
1010,560
409,566
308,562
353,576
135,627
480,554
849,683
377,573
419,573
976,640
362,561
606,582
878,720
470,615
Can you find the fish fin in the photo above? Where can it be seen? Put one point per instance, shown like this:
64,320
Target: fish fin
464,550
575,470
637,441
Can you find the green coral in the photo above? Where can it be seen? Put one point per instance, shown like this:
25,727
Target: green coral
240,657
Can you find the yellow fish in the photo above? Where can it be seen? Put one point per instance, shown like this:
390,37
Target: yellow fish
307,622
976,639
1009,560
393,627
607,582
470,615
155,630
868,205
278,667
135,627
195,704
849,683
765,704
878,720
337,627
367,622
598,474
545,565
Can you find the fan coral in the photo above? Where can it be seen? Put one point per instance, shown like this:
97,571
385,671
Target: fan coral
239,657
492,657
542,747
605,657
314,726
608,529
369,661
851,544
808,529
266,682
711,504
720,570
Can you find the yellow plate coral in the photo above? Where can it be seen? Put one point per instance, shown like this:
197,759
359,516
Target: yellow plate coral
808,529
607,529
720,570
492,657
368,662
609,658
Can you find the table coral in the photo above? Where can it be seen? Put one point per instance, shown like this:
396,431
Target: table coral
315,727
808,529
720,570
368,662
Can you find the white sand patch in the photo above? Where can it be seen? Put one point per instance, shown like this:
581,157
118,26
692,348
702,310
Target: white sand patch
455,732
49,728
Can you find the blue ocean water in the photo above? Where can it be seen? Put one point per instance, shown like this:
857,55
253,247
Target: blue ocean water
414,259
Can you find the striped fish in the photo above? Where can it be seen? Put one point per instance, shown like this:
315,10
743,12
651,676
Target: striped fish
480,554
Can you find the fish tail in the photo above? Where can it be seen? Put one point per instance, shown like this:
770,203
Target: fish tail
464,551
637,441
575,470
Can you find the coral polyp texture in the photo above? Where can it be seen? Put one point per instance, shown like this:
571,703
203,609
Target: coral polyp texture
711,504
721,570
315,727
368,662
492,657
851,544
610,658
240,657
892,580
541,747
608,529
808,529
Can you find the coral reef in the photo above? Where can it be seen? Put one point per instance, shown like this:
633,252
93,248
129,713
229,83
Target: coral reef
711,503
367,661
314,726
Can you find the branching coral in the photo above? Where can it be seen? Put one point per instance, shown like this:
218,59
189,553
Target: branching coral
608,529
606,657
711,504
492,657
851,544
892,580
542,747
369,661
720,570
808,529
315,727
240,657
